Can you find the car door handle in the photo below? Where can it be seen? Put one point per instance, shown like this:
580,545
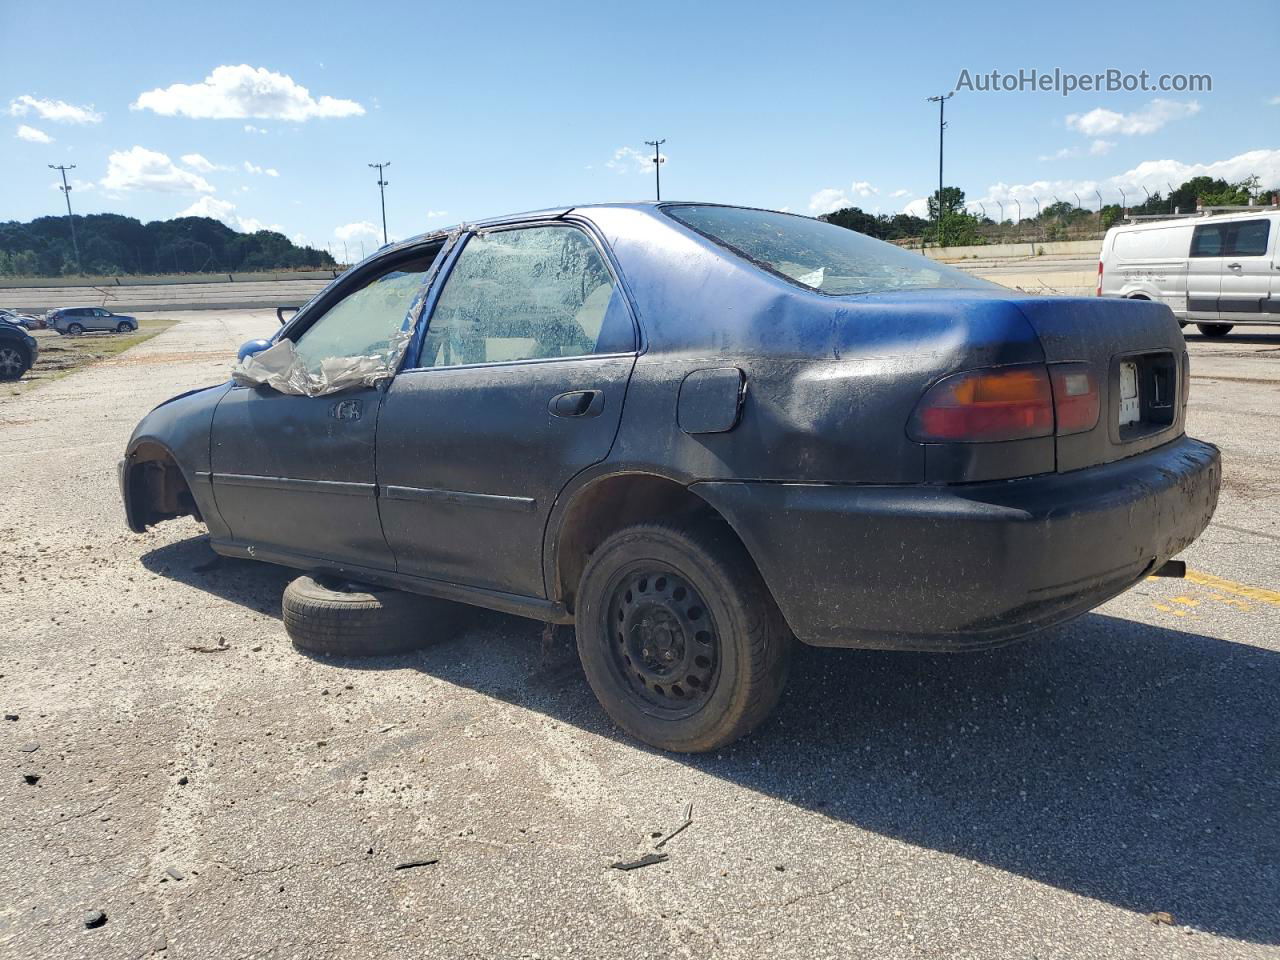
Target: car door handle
1233,266
577,403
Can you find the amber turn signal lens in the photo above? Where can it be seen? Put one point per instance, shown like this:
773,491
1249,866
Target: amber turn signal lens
1004,403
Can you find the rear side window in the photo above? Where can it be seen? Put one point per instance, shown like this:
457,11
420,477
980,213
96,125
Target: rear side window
1249,239
818,255
527,294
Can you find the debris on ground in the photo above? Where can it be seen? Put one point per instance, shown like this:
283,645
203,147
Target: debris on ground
174,873
1162,917
94,919
11,716
222,645
410,864
648,860
688,822
29,747
31,778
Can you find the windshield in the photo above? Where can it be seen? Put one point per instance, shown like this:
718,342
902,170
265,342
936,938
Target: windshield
818,255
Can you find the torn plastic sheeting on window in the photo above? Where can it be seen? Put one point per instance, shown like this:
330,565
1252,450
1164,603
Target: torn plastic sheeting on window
280,368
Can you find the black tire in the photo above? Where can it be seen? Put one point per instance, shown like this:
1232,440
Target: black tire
14,361
653,592
123,327
75,329
338,618
1214,329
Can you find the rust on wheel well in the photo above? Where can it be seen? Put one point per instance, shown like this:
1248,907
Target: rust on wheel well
156,487
610,505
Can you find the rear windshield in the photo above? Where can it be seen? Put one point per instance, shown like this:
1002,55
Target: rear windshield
818,255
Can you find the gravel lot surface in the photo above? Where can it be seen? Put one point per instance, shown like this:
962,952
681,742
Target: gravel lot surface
172,762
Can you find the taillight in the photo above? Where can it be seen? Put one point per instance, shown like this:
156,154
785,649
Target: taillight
1008,403
1075,397
1004,403
1099,278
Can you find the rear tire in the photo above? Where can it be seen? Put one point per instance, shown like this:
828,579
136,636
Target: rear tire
14,361
75,329
1214,329
679,637
339,618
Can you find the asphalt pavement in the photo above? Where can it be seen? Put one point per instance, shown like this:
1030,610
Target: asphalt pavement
1106,789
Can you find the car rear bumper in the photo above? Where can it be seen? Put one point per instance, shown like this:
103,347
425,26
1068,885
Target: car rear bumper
972,565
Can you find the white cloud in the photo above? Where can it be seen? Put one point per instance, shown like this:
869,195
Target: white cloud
1102,122
299,239
55,110
1062,154
272,172
835,198
255,169
77,186
199,164
141,169
436,214
1152,174
225,211
241,92
917,208
828,199
250,128
900,193
32,135
631,160
1101,147
354,231
1274,101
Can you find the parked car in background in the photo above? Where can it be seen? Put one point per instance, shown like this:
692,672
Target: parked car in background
75,320
696,432
1213,271
22,319
18,351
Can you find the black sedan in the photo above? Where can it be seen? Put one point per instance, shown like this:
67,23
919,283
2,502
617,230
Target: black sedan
697,432
18,351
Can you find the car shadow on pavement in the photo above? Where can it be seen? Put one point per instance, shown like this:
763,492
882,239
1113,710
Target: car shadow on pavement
1121,761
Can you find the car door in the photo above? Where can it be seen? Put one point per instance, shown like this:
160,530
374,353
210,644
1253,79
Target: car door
102,319
295,474
1204,270
518,385
1246,278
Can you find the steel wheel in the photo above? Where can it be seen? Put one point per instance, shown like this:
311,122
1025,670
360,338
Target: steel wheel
12,363
666,646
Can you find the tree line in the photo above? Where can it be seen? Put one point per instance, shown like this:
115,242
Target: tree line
111,245
1054,221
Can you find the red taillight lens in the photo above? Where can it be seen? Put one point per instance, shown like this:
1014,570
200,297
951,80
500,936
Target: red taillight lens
1075,397
1009,403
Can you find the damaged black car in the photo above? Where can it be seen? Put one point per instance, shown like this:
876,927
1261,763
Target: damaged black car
697,433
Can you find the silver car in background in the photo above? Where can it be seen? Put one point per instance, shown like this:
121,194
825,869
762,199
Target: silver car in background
75,320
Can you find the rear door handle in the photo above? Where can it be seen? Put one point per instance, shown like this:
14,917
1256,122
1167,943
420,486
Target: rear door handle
577,403
1233,266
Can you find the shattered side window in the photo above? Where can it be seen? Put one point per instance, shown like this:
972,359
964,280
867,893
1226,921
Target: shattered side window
532,293
819,255
364,322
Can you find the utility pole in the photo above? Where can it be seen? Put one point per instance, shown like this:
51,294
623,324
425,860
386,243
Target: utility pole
382,191
941,101
657,165
66,192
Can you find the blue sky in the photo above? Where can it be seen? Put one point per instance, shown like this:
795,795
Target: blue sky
490,107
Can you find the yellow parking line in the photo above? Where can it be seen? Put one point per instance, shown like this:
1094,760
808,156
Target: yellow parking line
1230,586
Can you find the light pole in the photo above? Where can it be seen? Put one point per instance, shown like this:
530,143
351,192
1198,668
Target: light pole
941,101
66,192
658,160
382,192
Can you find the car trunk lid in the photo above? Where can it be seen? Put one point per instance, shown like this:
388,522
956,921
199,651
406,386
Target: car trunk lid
1138,356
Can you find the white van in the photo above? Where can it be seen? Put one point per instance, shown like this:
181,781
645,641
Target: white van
1213,271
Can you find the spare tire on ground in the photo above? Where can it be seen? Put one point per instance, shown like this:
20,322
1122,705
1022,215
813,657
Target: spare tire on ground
341,618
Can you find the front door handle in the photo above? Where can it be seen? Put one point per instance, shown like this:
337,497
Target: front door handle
1233,266
577,403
